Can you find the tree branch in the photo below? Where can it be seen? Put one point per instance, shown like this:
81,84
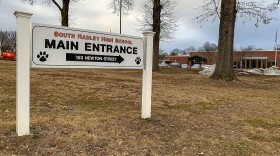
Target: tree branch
246,10
58,6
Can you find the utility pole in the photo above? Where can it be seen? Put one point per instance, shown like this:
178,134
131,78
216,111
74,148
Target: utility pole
276,48
120,16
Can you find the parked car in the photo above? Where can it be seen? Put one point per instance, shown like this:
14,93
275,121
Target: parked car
185,66
162,64
174,65
196,66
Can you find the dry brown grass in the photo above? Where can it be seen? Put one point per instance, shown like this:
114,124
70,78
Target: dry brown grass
97,112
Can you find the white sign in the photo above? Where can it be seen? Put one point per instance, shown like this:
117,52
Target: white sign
64,47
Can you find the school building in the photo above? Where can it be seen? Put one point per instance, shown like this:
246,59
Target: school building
241,59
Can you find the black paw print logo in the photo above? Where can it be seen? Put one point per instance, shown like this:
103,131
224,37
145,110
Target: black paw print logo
138,60
42,56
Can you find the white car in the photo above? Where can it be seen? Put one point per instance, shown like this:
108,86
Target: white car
196,66
163,65
174,65
185,66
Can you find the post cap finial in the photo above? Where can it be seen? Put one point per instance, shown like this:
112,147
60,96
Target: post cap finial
22,14
148,33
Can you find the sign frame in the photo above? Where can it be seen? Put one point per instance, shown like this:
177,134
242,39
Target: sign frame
23,64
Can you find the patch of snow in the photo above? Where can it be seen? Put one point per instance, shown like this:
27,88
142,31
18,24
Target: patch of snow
241,73
208,71
258,71
268,71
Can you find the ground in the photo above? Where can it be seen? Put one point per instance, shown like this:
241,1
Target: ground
97,112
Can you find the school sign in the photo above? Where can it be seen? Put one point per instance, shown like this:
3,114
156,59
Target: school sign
47,46
54,46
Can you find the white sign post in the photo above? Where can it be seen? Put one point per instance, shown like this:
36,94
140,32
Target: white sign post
147,76
23,72
63,47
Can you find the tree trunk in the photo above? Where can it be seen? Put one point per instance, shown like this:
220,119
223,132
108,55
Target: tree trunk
65,13
224,64
156,28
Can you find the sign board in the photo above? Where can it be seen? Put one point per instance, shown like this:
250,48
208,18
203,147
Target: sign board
64,47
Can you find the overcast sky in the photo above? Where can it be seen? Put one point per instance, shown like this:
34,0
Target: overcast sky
95,15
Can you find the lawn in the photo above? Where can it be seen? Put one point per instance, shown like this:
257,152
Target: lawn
97,112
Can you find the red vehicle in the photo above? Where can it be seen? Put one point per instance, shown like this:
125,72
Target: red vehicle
8,55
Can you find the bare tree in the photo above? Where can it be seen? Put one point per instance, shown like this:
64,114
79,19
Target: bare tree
121,7
226,11
176,52
248,48
159,16
207,46
62,5
190,49
162,54
2,39
210,50
7,40
13,40
278,47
